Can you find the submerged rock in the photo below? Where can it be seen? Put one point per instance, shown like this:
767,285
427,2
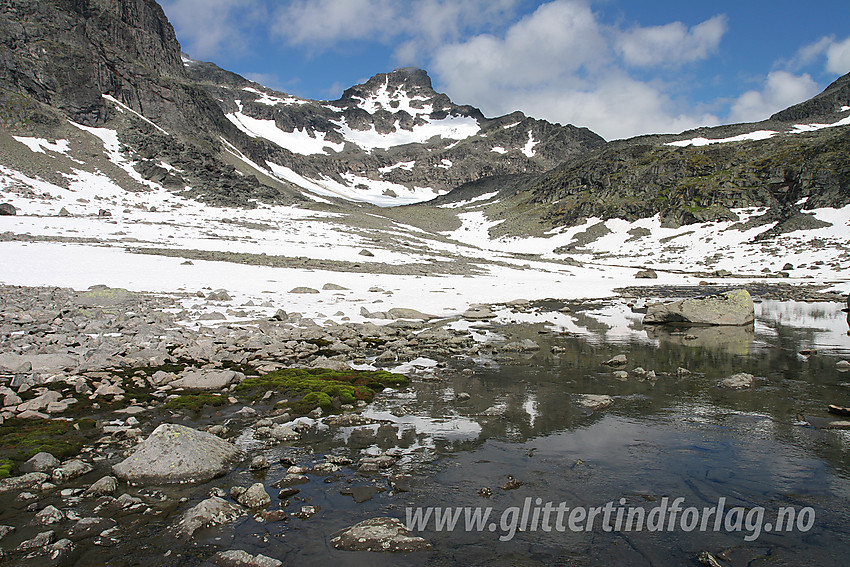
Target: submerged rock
737,381
378,534
593,402
177,454
730,308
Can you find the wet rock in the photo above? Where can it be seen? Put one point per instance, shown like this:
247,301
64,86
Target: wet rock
730,308
6,530
525,345
105,486
88,527
38,542
621,375
255,496
210,512
593,402
378,534
619,360
400,482
70,470
283,433
707,559
306,512
177,454
60,552
842,365
485,492
738,381
23,482
259,463
49,515
40,462
239,558
360,493
512,484
292,480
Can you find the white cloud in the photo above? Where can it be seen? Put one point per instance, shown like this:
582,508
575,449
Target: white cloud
781,90
671,44
560,63
418,26
838,57
208,28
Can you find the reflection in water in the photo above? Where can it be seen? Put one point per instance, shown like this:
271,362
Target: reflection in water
734,340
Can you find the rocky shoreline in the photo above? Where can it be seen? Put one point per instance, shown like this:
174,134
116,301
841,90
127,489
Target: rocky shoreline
97,385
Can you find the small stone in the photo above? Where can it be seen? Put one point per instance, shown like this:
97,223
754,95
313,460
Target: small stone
49,515
104,486
593,402
41,540
259,463
255,497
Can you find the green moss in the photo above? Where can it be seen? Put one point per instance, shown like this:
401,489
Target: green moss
7,466
20,439
320,387
195,402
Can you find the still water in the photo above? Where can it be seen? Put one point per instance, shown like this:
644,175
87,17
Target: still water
502,430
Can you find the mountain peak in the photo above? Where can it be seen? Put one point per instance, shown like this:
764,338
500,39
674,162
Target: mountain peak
407,82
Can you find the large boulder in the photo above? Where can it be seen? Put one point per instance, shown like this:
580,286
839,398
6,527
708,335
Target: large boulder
7,209
177,454
731,308
207,379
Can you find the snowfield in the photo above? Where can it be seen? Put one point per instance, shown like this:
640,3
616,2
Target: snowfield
62,236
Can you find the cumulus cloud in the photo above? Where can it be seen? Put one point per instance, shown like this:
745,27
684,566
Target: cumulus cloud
418,26
781,90
208,28
671,44
562,64
838,57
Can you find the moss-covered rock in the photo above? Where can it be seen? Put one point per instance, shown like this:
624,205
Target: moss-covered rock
320,387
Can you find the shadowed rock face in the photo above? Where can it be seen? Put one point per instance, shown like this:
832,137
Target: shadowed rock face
730,308
177,454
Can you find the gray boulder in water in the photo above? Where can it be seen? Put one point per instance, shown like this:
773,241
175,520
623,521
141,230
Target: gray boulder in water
731,308
177,454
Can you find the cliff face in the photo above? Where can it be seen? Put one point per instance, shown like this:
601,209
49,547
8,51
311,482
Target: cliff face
67,53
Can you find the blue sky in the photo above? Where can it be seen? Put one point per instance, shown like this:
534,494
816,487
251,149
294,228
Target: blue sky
620,68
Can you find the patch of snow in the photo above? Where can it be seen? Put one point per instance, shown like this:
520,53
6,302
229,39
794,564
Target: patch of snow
124,108
528,150
298,141
509,126
270,100
453,127
39,145
406,165
757,135
499,150
800,128
383,99
484,197
845,108
444,164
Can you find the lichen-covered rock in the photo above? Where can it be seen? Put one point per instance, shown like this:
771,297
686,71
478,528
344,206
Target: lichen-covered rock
177,454
731,308
378,534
